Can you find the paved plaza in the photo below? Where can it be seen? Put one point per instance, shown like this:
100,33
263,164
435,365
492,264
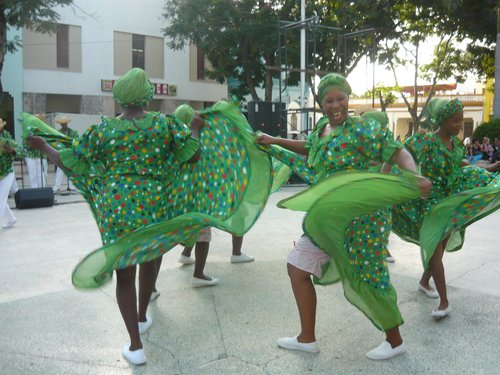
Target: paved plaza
49,327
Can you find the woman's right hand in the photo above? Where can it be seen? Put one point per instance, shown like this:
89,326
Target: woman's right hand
265,139
424,184
35,142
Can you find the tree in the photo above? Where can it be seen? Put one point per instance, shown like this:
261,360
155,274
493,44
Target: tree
37,15
240,38
385,95
487,129
237,38
418,21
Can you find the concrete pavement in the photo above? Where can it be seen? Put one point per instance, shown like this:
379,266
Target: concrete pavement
48,327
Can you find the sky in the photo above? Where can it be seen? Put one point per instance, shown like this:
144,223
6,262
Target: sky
361,79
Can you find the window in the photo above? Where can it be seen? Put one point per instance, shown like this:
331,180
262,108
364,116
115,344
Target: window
138,43
468,128
62,42
200,64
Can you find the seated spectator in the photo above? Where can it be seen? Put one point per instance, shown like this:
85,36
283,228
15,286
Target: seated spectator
496,150
487,149
475,151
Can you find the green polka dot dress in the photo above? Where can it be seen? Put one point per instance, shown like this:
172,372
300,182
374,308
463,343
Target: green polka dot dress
347,215
146,198
459,196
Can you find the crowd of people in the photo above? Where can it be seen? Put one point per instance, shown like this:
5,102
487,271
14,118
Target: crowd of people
485,150
153,181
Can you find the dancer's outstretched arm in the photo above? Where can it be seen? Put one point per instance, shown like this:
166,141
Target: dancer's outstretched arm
40,144
290,144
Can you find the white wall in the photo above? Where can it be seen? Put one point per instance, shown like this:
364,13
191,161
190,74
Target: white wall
102,18
12,79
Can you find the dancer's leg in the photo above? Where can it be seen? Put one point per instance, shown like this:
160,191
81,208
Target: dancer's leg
437,269
237,243
393,337
147,278
187,251
305,297
201,253
127,302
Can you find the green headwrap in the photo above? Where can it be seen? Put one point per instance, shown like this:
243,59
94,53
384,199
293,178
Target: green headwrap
438,110
133,89
331,80
380,117
185,113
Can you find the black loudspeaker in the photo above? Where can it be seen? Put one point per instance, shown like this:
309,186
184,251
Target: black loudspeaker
34,197
268,117
278,120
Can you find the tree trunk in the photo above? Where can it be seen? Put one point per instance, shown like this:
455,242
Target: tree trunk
268,82
496,100
248,77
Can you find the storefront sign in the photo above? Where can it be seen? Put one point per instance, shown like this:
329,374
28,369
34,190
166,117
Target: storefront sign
160,88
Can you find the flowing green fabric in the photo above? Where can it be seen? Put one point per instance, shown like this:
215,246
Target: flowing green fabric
228,186
459,196
331,207
452,215
295,162
140,246
281,174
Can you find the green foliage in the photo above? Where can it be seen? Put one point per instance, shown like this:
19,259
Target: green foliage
36,15
475,22
488,129
240,38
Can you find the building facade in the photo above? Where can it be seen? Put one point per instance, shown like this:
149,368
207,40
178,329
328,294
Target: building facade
72,71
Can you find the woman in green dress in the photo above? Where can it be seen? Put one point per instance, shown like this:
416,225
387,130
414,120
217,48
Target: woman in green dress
342,143
460,195
128,157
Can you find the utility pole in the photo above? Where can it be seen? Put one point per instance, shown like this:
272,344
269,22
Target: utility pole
303,121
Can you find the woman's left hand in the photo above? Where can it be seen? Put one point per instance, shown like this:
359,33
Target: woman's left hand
8,149
197,124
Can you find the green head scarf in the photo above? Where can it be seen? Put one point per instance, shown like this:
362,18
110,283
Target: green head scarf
438,110
133,89
380,117
185,113
332,80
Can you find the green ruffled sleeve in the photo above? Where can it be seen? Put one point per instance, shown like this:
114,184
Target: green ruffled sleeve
376,143
183,145
79,157
190,148
71,162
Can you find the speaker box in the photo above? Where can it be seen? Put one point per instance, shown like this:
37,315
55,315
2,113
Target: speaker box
268,117
34,197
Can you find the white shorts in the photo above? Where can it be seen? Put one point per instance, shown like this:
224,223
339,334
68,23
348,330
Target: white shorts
308,257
